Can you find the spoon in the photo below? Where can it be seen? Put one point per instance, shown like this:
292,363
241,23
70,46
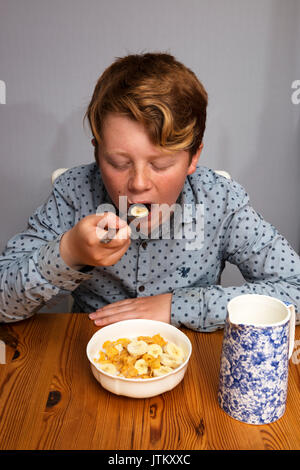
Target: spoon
135,211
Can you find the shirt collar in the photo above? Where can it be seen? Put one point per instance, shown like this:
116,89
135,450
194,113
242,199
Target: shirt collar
187,202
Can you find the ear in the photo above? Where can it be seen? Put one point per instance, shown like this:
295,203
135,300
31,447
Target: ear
96,150
194,161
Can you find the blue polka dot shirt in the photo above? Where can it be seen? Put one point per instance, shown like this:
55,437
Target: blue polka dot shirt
32,272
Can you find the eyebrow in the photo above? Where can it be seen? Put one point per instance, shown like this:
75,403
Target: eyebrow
119,152
125,154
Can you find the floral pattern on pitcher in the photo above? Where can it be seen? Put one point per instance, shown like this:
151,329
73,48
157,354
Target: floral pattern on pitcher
254,372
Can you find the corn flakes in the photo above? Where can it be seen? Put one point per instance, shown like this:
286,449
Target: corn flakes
142,357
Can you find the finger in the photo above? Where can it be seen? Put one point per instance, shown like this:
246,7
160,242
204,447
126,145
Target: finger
110,228
114,244
112,308
105,217
106,312
116,252
109,218
120,316
110,252
104,231
115,306
115,239
123,233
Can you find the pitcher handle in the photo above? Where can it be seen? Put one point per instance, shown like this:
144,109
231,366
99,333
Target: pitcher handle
291,308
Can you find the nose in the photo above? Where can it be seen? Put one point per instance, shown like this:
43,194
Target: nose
139,181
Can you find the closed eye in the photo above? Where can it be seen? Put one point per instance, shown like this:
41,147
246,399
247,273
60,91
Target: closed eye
161,168
124,166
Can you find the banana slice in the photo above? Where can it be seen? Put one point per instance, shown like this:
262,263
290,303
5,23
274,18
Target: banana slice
109,368
174,351
137,348
169,361
138,210
155,350
141,366
140,357
162,370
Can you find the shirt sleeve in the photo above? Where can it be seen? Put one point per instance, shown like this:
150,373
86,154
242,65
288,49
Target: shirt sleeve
32,271
267,262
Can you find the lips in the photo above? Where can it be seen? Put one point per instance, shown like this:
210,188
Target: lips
140,202
145,203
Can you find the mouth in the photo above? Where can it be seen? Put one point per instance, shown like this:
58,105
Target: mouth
139,209
144,203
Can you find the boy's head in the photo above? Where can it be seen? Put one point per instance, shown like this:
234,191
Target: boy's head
147,116
157,91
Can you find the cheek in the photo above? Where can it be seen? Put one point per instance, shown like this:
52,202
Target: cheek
114,183
170,187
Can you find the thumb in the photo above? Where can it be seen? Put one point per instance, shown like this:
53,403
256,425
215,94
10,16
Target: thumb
111,226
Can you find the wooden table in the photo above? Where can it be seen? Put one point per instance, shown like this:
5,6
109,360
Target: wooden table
49,398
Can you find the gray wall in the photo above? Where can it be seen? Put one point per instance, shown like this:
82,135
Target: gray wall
246,52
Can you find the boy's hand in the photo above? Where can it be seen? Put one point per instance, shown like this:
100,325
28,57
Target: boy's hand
81,245
157,307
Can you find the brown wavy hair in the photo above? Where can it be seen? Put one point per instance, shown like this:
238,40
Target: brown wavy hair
157,91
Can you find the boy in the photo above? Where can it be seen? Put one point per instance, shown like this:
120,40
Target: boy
147,116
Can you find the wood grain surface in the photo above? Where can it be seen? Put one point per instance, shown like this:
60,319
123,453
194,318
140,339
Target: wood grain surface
50,400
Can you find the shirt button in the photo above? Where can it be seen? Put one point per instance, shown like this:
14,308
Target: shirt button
144,245
141,288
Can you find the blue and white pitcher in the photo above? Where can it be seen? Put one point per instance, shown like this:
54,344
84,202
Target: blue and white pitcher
257,345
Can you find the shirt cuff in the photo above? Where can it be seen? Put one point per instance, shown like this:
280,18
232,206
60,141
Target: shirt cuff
185,308
53,268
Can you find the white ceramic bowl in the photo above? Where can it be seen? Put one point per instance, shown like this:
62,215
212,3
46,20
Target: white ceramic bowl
138,388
